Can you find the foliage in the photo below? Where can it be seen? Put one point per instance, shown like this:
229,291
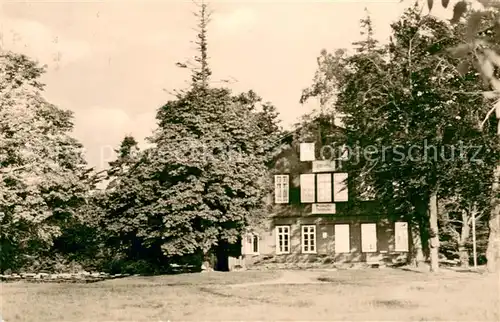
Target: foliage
406,94
43,174
201,183
455,221
483,43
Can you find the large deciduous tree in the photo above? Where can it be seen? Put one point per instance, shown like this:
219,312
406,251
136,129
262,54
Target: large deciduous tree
43,176
483,43
212,149
204,179
407,95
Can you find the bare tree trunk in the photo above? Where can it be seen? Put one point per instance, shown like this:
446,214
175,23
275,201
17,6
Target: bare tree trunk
434,232
493,250
464,236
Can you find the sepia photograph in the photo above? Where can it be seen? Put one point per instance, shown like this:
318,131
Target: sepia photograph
258,160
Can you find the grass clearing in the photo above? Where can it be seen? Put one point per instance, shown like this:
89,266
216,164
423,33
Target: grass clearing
349,295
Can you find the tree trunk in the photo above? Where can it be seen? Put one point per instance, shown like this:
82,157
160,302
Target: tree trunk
493,250
434,233
419,233
464,236
416,257
424,233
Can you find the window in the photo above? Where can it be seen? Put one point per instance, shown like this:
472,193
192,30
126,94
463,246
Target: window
307,191
401,236
368,238
282,239
252,244
309,239
342,239
340,186
324,187
281,188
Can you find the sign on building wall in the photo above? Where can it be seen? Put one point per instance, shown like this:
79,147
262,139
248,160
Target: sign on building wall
401,236
340,192
324,184
323,208
323,166
368,238
307,190
342,239
307,152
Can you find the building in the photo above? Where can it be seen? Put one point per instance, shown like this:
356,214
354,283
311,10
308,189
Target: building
316,216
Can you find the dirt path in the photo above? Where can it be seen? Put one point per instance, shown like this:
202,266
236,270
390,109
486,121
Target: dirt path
289,277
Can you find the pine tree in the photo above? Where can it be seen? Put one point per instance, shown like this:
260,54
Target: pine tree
369,44
201,75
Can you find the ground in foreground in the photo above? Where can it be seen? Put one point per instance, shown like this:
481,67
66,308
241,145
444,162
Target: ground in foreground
349,295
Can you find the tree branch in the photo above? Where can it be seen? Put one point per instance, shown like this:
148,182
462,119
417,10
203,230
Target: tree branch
489,114
12,169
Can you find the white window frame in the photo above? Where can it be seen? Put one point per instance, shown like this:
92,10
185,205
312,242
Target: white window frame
281,188
307,188
324,187
285,232
306,232
251,238
364,247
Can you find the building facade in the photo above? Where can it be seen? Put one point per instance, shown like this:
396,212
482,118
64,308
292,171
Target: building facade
316,216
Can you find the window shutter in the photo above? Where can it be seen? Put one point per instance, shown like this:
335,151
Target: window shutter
307,193
307,152
401,236
324,187
368,238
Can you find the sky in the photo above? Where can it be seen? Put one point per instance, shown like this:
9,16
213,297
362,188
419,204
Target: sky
113,62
